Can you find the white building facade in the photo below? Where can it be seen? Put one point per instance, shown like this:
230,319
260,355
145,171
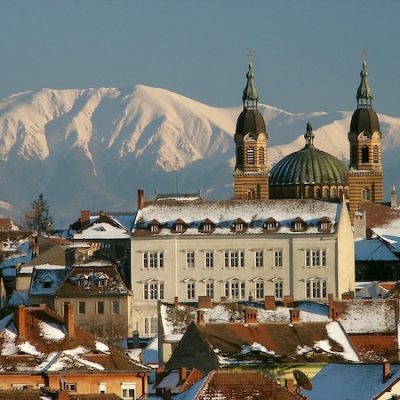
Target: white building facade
238,250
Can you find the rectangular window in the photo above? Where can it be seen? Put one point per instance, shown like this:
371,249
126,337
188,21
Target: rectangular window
315,258
210,289
115,307
150,326
259,259
70,387
316,289
19,386
102,388
153,259
128,391
190,259
191,290
209,259
234,259
81,307
235,290
153,291
278,258
260,290
278,289
100,307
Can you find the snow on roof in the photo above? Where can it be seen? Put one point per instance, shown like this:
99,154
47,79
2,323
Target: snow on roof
336,333
225,213
373,250
368,316
350,382
150,353
52,331
192,392
46,279
102,230
371,290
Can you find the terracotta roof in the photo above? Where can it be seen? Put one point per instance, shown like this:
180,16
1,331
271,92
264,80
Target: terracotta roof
20,394
378,214
376,348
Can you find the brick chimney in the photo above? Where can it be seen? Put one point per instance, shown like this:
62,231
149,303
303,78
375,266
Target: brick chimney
176,301
69,319
140,199
85,217
183,374
102,213
386,371
288,301
200,317
294,316
20,320
269,303
205,302
290,386
250,316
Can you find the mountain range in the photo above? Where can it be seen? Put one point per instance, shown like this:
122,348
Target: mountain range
93,148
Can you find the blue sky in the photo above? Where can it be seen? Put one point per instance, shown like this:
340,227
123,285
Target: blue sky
306,53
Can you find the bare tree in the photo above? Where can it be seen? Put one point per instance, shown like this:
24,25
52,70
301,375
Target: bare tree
37,217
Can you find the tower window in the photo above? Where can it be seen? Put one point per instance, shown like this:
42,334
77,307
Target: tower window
376,154
250,156
261,155
366,194
365,154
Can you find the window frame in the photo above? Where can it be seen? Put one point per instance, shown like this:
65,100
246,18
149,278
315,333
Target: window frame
153,259
117,310
79,310
100,307
153,288
209,259
259,258
190,259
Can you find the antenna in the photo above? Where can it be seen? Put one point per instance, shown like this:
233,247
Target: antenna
302,379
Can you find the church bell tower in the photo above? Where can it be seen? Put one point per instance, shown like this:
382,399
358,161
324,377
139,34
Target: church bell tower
251,140
366,172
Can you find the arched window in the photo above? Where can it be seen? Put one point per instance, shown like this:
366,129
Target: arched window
365,154
317,192
307,192
366,194
376,154
354,155
250,156
333,192
251,194
325,192
261,155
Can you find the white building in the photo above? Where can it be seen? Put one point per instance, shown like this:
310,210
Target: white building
236,250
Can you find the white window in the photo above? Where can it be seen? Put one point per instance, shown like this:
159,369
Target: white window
325,226
250,156
102,388
234,259
210,289
209,259
154,228
278,287
179,227
153,259
316,289
153,291
70,387
190,259
128,391
298,226
150,326
259,259
259,290
207,227
315,258
115,307
239,227
191,290
19,386
235,290
278,258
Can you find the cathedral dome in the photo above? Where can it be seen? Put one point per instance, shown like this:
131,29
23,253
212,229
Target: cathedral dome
250,121
309,166
364,120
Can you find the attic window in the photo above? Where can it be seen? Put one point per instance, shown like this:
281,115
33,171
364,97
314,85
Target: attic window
81,282
298,225
102,282
180,226
239,226
207,226
270,225
324,225
155,226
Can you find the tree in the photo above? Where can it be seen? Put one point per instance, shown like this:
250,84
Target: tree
38,218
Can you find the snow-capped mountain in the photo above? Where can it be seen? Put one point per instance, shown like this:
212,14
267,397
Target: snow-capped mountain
92,148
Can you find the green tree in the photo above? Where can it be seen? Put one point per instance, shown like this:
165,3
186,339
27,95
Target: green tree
37,217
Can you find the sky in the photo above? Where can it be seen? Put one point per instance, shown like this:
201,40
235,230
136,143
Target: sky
307,54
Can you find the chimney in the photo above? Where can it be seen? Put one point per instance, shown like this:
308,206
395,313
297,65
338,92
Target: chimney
294,316
360,225
69,319
288,301
200,317
205,302
140,199
20,320
176,301
290,386
85,217
269,303
182,375
386,371
102,213
250,316
393,198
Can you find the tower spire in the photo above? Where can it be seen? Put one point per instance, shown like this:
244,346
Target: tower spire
309,135
364,92
250,95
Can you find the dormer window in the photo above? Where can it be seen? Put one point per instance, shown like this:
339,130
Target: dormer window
81,281
298,225
102,282
239,226
271,225
324,224
207,226
155,226
180,226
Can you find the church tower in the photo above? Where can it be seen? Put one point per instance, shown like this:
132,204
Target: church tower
365,173
251,140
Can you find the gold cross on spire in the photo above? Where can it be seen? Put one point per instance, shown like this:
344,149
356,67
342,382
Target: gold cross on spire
250,56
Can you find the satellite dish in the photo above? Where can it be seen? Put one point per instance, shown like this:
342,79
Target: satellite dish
302,379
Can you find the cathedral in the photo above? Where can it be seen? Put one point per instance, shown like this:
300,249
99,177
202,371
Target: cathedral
309,172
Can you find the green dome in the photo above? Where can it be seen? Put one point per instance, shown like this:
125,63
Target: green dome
309,166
